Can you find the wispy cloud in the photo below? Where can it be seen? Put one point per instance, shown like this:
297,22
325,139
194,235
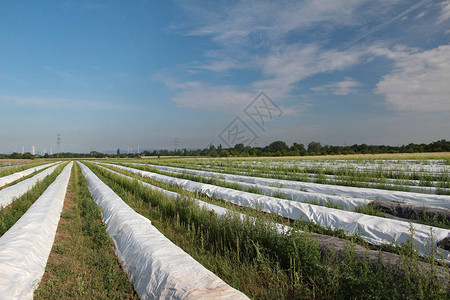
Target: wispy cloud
286,42
419,80
345,87
290,65
445,13
225,99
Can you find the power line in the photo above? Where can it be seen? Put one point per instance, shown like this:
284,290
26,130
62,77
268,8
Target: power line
58,140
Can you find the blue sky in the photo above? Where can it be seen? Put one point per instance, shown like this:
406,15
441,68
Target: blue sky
118,74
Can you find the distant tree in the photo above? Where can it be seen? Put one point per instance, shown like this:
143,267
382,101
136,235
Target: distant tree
15,155
300,147
118,151
293,151
224,153
314,147
28,155
239,148
278,146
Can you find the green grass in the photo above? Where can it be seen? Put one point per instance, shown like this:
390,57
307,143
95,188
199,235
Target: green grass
10,214
263,264
82,264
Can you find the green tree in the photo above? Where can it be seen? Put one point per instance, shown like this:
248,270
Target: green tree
314,147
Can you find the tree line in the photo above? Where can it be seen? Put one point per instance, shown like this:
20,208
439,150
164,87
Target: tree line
280,148
277,148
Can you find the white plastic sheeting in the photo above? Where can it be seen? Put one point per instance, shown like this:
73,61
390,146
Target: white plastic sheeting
346,203
13,177
158,268
442,201
25,247
220,211
375,230
410,166
412,185
9,194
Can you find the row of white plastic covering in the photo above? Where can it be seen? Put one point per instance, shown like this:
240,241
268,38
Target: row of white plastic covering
158,268
346,203
219,210
442,201
25,247
428,166
13,177
413,185
375,230
9,194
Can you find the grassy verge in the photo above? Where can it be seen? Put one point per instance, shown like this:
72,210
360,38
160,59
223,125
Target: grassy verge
258,261
10,214
82,263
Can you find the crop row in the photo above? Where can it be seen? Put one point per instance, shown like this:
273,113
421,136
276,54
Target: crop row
374,177
256,256
374,229
273,249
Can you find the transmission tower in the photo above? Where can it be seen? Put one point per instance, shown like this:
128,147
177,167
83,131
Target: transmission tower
58,140
176,143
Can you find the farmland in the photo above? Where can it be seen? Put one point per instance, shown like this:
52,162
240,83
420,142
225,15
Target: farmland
231,228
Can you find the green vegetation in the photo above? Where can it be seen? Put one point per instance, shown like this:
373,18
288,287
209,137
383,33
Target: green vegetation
10,214
22,179
82,263
387,174
15,169
280,148
277,149
263,264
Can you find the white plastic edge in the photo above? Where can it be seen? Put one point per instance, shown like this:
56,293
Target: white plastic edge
25,247
157,268
13,177
11,193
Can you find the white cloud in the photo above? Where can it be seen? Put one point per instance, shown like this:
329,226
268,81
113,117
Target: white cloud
292,64
285,67
258,36
246,29
445,14
196,95
345,87
419,81
420,15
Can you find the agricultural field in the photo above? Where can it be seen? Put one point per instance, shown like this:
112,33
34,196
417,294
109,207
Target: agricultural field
227,228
